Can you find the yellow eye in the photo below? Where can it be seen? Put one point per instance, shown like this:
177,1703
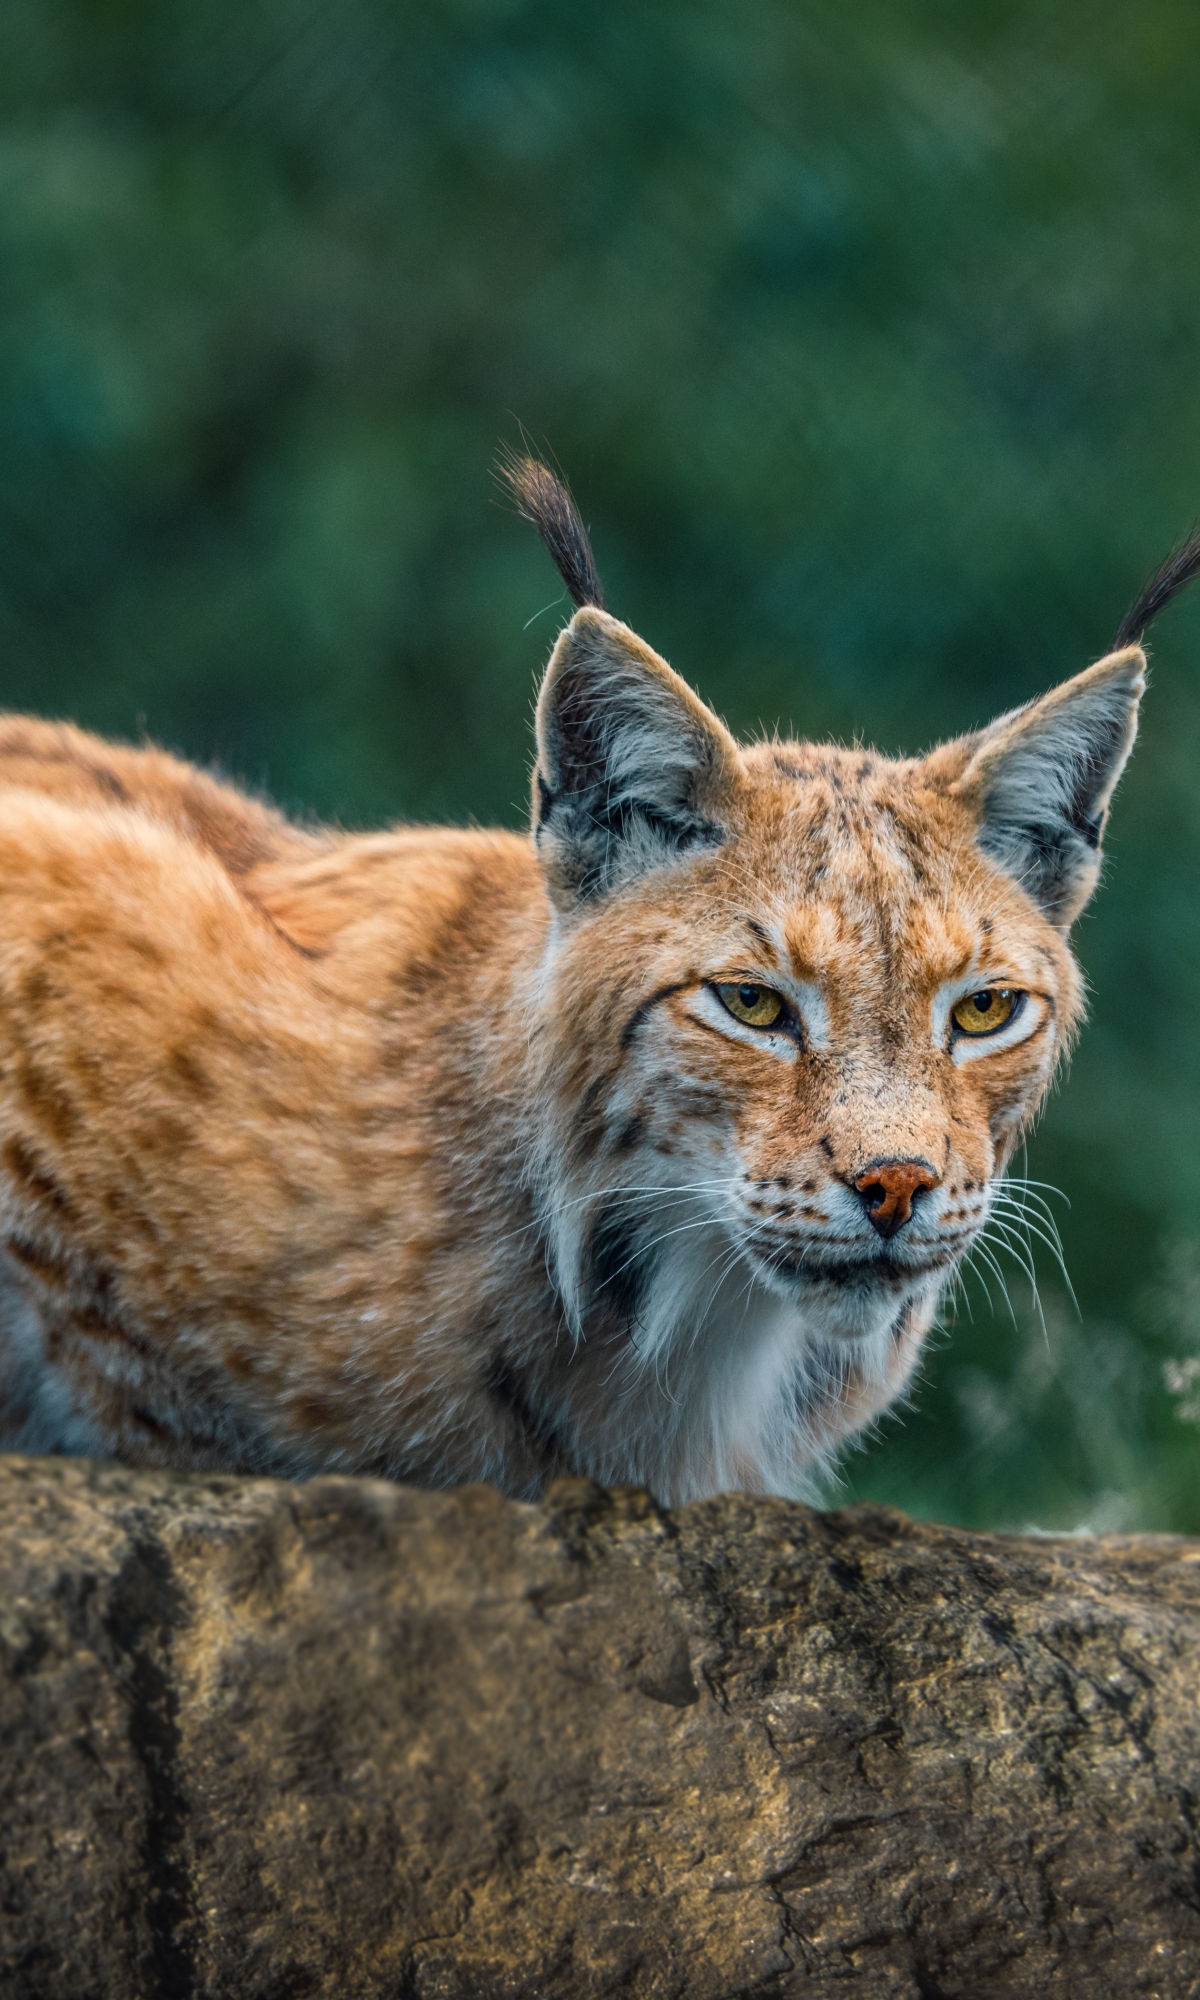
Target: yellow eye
982,1013
757,1006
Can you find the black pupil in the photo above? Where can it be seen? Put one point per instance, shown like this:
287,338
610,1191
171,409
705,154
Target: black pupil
982,1002
749,997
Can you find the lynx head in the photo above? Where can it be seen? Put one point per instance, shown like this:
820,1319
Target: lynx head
798,1007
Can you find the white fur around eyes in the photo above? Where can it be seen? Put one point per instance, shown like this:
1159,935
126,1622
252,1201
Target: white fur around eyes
704,1004
1029,1015
809,1003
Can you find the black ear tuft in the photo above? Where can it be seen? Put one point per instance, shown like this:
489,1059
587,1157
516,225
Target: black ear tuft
1168,580
544,500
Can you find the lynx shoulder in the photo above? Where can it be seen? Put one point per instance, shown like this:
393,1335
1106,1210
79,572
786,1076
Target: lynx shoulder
642,1145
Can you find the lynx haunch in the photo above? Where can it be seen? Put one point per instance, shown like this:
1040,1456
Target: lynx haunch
641,1146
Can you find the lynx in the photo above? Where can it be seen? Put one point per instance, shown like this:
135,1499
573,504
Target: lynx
640,1146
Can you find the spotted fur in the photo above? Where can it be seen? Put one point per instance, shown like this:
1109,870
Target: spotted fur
436,1154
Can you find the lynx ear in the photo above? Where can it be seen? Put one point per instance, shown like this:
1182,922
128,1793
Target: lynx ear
631,764
1041,779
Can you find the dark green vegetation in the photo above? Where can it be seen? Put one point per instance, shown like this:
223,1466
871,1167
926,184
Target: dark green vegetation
868,337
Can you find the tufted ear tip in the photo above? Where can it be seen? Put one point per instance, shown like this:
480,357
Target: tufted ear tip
1181,567
543,499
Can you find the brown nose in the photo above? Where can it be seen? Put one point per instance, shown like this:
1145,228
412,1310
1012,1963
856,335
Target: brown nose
889,1189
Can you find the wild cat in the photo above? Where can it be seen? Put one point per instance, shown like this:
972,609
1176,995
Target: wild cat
640,1145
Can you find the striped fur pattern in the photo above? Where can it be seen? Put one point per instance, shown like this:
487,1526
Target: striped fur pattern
441,1155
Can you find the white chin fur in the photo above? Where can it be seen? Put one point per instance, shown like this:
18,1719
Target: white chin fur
847,1310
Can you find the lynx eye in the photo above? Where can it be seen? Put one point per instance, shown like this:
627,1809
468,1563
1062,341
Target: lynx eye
757,1006
982,1013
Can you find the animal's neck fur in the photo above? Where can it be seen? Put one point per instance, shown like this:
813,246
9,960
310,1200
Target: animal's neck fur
677,1366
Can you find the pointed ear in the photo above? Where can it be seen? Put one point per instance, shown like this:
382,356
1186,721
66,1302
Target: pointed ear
1041,779
631,765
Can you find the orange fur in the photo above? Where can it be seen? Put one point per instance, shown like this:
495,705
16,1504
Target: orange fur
431,1154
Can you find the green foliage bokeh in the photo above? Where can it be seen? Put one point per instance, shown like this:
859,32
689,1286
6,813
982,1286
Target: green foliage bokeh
868,339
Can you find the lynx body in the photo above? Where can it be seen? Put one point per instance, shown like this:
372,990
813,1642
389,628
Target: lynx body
642,1146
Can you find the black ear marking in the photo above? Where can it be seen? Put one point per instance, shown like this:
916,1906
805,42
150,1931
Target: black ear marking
542,499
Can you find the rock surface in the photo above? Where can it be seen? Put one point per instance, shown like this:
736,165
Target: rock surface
351,1740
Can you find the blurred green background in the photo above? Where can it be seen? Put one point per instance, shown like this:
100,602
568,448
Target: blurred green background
868,337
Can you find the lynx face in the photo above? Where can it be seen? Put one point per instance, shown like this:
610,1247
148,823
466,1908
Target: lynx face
841,1022
802,1004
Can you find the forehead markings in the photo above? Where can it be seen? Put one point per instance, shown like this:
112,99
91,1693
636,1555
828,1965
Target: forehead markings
895,845
860,836
890,883
802,762
788,767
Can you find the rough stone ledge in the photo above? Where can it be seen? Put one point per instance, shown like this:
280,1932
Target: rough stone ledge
349,1739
